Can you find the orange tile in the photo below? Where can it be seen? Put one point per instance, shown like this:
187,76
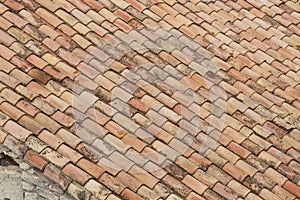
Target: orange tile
35,160
55,21
76,173
130,195
196,185
234,171
90,168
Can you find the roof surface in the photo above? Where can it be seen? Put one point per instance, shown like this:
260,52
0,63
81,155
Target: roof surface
154,99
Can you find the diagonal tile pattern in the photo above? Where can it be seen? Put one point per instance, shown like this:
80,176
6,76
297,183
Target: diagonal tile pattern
154,99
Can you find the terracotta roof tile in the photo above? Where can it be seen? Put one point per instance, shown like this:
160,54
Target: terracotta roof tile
76,174
35,159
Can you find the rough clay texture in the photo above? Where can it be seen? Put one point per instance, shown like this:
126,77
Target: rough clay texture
151,99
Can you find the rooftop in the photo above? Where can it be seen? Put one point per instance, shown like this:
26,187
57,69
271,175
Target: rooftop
154,99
